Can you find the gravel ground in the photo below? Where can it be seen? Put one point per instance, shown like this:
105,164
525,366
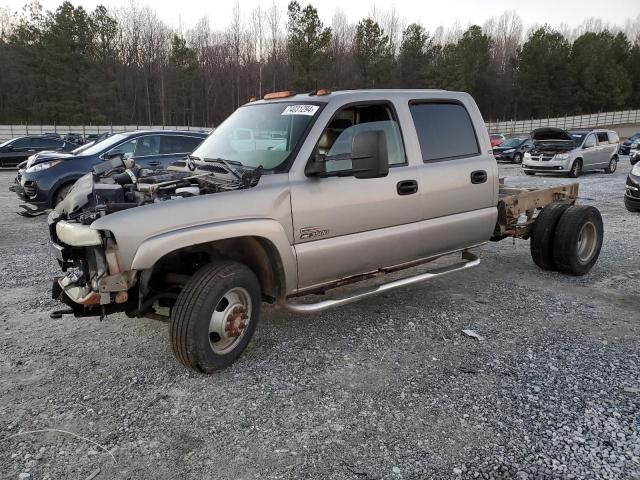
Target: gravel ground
388,388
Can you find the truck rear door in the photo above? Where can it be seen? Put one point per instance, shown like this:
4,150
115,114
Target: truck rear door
458,174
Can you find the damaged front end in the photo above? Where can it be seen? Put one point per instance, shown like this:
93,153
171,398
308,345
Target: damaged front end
94,282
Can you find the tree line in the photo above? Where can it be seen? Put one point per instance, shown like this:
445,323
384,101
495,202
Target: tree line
126,66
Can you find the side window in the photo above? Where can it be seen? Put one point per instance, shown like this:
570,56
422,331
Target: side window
126,147
147,145
22,143
337,138
590,142
603,139
178,144
48,143
444,130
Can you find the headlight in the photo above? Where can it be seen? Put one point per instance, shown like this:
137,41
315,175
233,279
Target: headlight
511,150
527,156
561,156
43,166
636,170
634,145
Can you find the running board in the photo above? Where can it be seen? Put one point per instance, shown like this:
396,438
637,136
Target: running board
469,261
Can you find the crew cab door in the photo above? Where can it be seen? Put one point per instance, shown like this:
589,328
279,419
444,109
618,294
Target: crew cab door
458,175
345,226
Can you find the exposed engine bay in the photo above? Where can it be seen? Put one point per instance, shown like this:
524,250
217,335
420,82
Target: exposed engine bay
120,184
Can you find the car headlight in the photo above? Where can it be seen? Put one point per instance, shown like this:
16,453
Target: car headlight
511,150
634,145
636,170
527,156
561,156
42,166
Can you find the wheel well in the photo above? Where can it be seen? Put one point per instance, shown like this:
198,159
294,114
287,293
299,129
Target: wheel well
172,271
59,187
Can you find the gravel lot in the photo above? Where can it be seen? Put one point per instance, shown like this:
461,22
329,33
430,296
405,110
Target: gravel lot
386,388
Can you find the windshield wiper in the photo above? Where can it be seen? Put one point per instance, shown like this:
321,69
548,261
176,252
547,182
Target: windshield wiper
226,164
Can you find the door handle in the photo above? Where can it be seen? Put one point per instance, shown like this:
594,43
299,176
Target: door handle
407,187
479,176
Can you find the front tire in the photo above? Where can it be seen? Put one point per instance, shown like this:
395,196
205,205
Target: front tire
578,240
576,169
517,158
215,316
613,165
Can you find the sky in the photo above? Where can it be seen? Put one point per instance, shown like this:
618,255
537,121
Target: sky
429,13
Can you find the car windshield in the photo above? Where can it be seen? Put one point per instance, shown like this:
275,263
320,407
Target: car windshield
7,142
263,134
512,142
578,137
105,144
634,138
82,148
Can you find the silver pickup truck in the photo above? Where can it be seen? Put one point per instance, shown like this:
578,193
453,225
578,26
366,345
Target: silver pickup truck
295,195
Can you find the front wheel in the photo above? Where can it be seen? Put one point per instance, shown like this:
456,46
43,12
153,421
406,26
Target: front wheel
576,169
215,316
517,158
613,165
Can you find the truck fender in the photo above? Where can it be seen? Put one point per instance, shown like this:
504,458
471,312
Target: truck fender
154,248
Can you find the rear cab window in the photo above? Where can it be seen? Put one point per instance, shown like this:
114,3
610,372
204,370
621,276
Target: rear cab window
445,130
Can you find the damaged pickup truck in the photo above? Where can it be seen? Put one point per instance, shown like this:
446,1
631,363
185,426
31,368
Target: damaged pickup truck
295,195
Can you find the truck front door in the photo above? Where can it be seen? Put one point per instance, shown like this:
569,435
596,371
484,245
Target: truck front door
345,226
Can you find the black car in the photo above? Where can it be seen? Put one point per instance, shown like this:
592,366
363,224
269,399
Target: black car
631,143
632,190
16,150
76,138
47,179
513,150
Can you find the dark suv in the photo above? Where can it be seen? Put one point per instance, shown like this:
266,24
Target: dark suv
16,150
46,180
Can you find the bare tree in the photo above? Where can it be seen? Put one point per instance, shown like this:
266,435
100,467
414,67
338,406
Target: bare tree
274,19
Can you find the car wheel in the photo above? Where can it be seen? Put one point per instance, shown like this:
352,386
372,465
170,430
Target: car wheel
215,316
613,165
629,207
542,235
517,158
576,169
62,193
633,160
578,240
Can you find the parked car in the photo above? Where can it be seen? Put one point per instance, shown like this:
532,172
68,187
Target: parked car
571,152
325,190
632,189
496,139
45,181
76,138
630,146
14,151
513,150
36,157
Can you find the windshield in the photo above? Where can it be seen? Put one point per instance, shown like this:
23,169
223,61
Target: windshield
7,142
512,142
496,136
259,135
105,144
578,137
634,138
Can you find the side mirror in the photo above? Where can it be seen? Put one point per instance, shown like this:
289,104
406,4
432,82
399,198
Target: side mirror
10,148
113,154
369,155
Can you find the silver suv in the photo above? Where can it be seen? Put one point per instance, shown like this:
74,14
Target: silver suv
572,152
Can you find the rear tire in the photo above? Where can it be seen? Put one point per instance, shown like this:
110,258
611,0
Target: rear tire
613,165
578,240
215,316
542,235
576,169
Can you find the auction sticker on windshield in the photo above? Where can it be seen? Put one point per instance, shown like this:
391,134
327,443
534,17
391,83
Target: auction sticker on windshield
309,110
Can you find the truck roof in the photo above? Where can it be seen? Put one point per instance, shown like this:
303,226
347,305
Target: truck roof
355,95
